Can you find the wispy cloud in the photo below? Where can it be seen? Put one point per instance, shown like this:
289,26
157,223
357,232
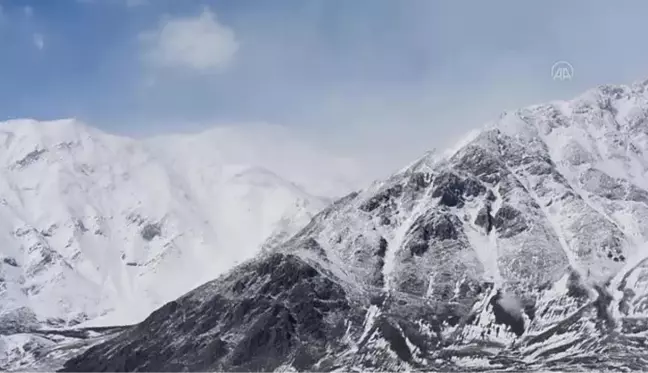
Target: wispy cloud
198,43
128,3
39,41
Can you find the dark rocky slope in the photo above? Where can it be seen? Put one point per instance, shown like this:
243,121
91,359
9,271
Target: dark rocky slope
266,314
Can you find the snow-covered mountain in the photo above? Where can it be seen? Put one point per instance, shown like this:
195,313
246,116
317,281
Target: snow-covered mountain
525,247
100,229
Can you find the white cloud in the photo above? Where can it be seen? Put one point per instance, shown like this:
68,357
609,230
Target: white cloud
200,43
39,41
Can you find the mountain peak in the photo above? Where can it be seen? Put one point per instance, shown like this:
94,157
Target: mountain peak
60,129
91,222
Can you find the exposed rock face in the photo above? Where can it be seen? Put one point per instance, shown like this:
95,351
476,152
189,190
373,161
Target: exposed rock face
523,249
266,314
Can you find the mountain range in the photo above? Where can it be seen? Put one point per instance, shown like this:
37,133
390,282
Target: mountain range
524,247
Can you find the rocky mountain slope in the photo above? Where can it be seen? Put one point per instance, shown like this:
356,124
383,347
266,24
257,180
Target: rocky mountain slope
525,247
100,229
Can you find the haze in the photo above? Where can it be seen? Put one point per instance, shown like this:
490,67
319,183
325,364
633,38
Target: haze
382,83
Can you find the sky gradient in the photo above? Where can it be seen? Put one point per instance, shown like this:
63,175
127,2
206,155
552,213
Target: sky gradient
385,79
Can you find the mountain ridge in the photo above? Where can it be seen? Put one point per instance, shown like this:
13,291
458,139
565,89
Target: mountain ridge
522,248
82,208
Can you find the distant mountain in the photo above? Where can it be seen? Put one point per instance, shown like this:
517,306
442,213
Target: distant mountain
99,229
523,248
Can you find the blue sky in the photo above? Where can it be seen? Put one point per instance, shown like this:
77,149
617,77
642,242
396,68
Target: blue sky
366,75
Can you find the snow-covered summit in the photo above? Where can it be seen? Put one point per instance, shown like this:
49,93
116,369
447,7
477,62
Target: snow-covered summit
543,212
569,177
94,225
